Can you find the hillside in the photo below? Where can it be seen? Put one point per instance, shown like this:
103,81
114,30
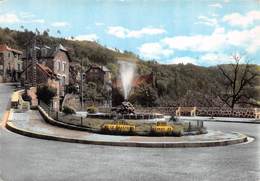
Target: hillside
187,85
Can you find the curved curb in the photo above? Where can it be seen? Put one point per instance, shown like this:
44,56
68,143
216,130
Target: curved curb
243,139
53,122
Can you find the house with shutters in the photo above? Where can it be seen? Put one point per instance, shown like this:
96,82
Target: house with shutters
57,61
11,63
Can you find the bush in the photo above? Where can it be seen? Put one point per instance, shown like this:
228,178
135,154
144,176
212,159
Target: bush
71,89
68,110
177,133
26,97
46,93
92,109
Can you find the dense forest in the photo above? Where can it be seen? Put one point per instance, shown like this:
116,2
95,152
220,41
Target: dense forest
176,84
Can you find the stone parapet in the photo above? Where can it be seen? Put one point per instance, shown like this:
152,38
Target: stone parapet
204,111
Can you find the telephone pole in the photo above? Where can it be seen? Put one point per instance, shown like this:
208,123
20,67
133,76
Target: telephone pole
34,63
81,86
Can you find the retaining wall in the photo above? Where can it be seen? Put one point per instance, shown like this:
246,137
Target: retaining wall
204,111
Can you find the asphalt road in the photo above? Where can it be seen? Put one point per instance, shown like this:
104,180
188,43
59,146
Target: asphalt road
29,159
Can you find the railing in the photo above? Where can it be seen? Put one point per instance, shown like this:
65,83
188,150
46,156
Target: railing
59,116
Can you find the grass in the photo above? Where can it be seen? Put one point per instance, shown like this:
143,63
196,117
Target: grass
140,127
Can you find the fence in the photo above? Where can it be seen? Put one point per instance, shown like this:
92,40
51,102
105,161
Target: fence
61,117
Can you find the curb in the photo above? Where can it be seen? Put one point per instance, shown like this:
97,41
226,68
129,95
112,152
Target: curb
243,139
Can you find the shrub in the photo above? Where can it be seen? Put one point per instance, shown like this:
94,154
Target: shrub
177,133
71,89
26,97
68,110
46,93
92,109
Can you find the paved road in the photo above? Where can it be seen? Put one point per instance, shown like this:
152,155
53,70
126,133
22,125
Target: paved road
5,93
29,159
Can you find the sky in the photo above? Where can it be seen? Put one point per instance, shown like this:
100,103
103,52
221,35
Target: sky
202,32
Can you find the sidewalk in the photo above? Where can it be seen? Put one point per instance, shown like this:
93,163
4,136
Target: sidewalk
4,119
32,124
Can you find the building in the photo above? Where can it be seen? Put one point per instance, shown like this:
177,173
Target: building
11,63
45,76
101,75
57,59
97,73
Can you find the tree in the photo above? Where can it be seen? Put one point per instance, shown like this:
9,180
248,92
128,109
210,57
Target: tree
161,87
91,91
236,79
145,95
46,93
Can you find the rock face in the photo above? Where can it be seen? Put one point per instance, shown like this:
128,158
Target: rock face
72,101
125,108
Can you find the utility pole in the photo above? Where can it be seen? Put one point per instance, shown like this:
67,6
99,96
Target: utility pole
26,64
34,63
81,86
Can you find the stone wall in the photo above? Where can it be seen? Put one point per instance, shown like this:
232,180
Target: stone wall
203,111
226,112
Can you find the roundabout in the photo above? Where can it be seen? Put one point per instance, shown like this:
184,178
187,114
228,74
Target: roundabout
200,163
32,124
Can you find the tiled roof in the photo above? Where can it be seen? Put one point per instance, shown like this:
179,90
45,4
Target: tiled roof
148,79
143,79
44,69
103,68
4,47
47,70
51,52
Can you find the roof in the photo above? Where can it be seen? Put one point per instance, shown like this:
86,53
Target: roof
44,69
143,79
102,68
147,79
105,69
52,51
61,47
47,70
4,47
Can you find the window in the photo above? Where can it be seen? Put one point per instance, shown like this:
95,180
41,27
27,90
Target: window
63,66
1,58
58,65
63,80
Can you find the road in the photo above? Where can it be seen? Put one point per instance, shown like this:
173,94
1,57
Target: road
28,159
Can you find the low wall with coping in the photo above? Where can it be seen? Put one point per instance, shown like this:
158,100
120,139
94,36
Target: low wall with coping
204,111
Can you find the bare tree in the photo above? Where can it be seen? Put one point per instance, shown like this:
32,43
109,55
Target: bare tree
238,78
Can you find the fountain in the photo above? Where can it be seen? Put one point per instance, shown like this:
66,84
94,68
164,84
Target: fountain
126,120
127,72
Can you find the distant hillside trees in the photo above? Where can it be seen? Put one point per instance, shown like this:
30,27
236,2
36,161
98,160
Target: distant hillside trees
175,85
